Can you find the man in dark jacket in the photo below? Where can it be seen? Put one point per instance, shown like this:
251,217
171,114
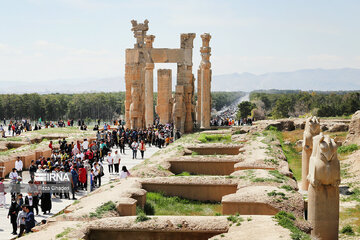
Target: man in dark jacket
32,170
29,220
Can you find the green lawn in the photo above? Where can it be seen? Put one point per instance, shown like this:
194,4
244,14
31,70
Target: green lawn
176,206
215,138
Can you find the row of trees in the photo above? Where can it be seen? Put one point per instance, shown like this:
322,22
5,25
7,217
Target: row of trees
79,106
61,106
322,104
221,99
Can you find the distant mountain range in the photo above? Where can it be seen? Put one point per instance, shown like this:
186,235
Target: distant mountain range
307,79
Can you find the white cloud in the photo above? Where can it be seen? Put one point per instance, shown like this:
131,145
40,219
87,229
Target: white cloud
6,49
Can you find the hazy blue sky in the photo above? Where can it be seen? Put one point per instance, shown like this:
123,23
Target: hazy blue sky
60,39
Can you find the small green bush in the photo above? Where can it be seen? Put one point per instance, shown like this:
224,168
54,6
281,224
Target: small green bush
347,230
287,187
347,149
106,207
286,220
194,153
272,128
141,217
64,233
236,219
149,209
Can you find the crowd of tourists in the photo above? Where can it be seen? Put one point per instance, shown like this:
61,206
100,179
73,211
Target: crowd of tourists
75,159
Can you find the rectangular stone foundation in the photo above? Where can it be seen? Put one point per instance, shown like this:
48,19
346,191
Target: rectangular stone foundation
203,167
247,208
216,150
150,235
200,192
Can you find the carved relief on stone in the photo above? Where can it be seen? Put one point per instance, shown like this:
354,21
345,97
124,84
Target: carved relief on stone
139,30
179,109
312,128
135,110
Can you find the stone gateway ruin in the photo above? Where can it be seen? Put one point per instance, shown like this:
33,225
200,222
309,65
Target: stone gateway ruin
179,108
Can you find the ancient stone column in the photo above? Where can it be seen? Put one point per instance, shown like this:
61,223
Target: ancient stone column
205,73
186,79
323,192
163,107
149,95
198,102
312,128
128,78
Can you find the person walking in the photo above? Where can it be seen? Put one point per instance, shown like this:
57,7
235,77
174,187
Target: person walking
122,144
110,161
75,179
29,220
2,193
19,166
32,170
142,148
117,160
134,147
82,177
13,213
21,220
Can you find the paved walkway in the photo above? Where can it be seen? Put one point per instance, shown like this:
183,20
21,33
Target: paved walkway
59,204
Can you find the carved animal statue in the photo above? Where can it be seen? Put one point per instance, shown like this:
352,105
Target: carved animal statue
324,166
312,128
323,191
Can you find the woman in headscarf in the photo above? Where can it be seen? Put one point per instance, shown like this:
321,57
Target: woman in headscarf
45,202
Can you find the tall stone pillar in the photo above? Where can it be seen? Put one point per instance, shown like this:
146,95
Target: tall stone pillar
323,192
205,73
149,95
128,82
135,77
163,107
186,79
198,102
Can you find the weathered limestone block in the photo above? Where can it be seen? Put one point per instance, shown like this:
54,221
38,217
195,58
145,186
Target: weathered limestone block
354,129
164,106
323,192
312,128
